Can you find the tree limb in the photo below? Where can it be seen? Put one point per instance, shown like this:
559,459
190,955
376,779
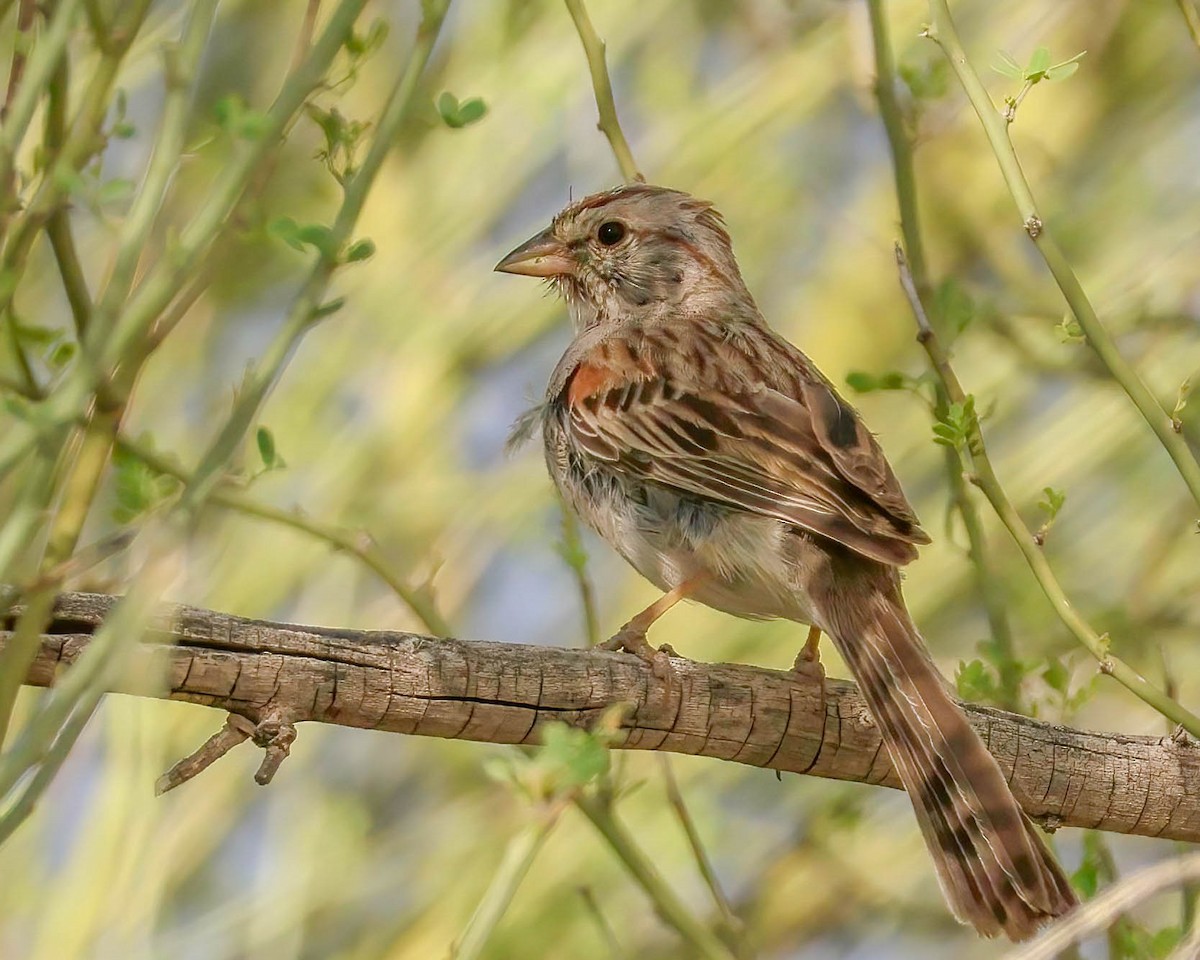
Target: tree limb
277,675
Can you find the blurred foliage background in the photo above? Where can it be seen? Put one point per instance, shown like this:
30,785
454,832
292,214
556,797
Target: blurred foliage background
392,415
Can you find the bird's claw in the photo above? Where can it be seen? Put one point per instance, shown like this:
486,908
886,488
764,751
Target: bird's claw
632,639
809,666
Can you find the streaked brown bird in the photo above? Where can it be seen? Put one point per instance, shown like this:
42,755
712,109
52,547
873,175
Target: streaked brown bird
718,461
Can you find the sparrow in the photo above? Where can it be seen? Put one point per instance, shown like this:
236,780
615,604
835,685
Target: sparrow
719,462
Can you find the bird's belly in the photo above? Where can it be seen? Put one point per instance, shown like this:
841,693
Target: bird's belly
741,563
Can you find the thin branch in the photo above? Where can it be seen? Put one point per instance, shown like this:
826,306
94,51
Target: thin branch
987,581
607,934
609,125
355,543
25,14
518,857
499,693
699,853
995,127
704,943
181,65
1191,18
984,476
308,307
575,556
236,730
1102,910
39,67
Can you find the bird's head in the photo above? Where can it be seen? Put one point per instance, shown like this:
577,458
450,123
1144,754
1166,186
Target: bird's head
633,253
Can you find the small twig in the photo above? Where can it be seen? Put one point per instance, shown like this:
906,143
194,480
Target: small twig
703,861
609,125
25,14
1106,906
987,582
1191,18
607,934
275,735
984,476
576,559
306,307
672,910
35,73
358,545
235,730
943,33
308,27
50,764
518,857
1189,947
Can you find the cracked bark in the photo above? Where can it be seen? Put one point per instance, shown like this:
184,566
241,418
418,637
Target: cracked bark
498,693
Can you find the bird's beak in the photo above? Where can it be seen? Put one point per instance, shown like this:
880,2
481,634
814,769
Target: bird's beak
540,256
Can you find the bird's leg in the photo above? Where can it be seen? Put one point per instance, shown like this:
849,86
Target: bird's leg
632,637
808,660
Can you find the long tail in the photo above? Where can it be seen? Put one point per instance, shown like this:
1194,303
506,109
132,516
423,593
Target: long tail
994,869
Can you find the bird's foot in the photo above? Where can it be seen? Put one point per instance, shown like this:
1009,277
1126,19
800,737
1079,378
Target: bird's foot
632,639
808,660
809,666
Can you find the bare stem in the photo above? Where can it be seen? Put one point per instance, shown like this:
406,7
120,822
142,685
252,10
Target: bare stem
984,477
987,581
702,940
518,857
307,308
576,558
609,125
1108,905
50,48
703,860
1191,18
995,127
356,544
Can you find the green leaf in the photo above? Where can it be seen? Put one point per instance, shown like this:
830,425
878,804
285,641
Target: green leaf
237,119
1057,676
360,250
1052,503
1086,879
572,757
862,382
1069,330
318,236
33,335
455,114
954,304
328,308
1038,64
927,82
266,447
364,44
469,111
1060,71
1181,400
61,354
975,680
286,229
957,427
1007,66
114,191
138,489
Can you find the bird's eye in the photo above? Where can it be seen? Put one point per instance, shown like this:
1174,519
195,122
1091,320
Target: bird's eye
611,232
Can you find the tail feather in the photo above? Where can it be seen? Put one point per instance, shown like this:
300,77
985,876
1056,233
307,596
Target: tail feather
993,867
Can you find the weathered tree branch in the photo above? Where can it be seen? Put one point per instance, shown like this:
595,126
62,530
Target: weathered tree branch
277,675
